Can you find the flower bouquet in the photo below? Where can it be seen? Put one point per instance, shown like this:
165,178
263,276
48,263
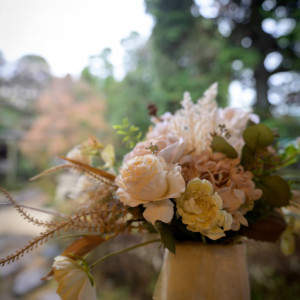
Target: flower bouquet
203,177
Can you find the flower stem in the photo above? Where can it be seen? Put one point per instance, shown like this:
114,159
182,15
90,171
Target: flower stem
123,251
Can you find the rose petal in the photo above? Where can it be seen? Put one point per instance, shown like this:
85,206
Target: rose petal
173,152
176,183
127,198
159,211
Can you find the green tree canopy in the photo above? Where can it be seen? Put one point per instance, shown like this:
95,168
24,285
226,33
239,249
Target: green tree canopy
263,35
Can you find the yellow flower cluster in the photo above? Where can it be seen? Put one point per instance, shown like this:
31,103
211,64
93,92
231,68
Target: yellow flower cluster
201,209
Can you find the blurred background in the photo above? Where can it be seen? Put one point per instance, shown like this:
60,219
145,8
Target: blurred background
72,69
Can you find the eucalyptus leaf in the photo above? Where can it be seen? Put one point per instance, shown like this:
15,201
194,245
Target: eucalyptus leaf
268,229
258,136
247,156
219,144
167,236
276,190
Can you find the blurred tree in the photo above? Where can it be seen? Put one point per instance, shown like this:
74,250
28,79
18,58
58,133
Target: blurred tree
136,52
99,70
180,55
266,32
186,52
135,90
69,112
129,97
20,85
21,82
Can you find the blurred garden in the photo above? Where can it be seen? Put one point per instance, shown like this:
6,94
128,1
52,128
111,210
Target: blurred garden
251,48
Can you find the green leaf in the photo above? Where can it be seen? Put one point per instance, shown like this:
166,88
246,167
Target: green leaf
276,190
219,144
267,230
247,156
121,132
148,226
258,136
125,123
291,150
166,234
132,134
133,128
290,155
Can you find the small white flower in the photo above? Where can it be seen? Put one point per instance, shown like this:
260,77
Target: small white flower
73,280
76,154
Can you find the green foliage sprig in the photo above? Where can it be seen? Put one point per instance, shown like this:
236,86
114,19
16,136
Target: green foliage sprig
289,155
132,134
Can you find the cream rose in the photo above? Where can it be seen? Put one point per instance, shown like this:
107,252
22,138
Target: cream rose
201,209
149,180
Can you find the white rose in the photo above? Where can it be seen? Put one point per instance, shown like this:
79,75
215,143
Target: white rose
149,180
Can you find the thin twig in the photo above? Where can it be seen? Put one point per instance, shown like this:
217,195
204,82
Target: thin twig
123,251
56,214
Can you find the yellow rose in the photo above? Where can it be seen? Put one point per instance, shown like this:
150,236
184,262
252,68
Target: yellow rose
149,180
73,280
201,209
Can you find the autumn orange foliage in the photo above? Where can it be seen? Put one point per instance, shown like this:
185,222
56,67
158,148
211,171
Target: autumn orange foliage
69,112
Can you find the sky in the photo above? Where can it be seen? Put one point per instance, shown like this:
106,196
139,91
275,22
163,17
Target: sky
67,32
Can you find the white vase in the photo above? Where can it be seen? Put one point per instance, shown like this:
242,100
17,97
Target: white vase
205,272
